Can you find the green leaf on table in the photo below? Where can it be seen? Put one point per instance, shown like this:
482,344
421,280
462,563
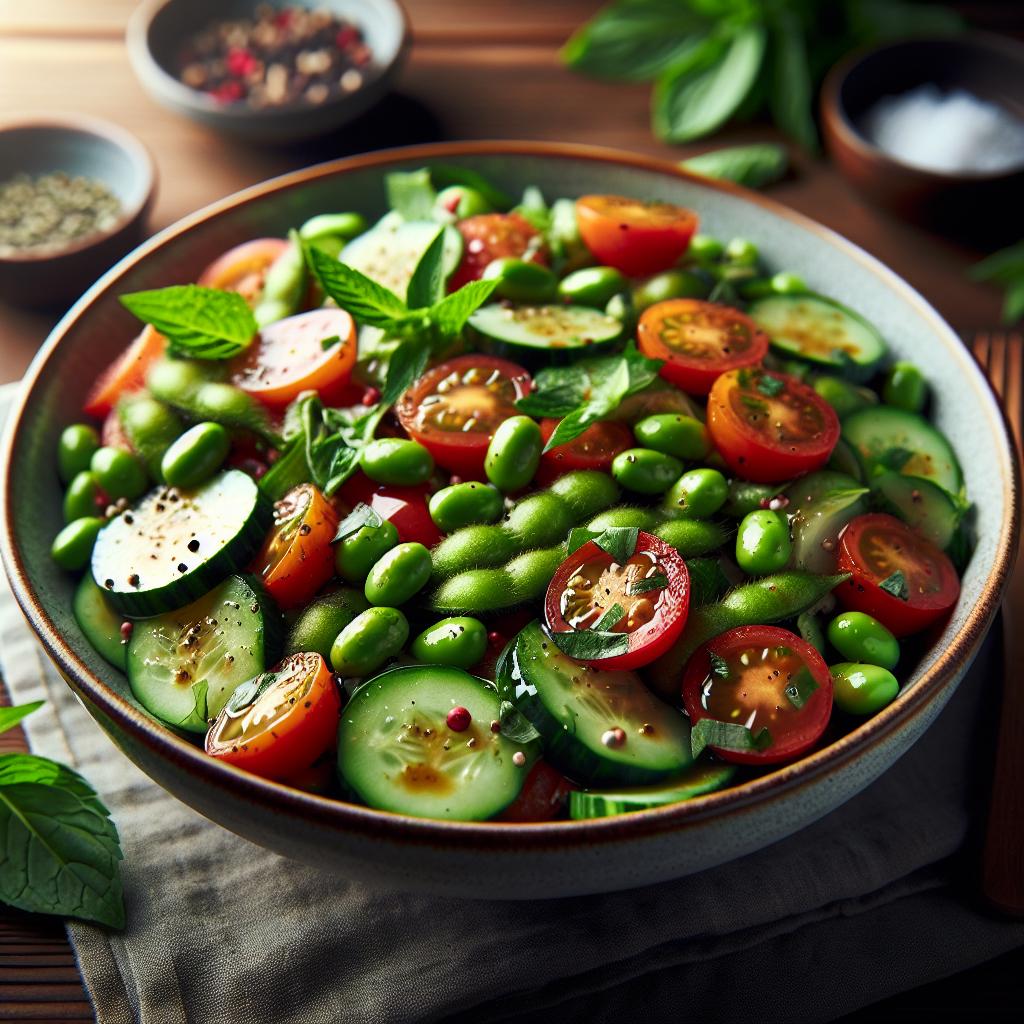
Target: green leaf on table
709,732
199,323
11,716
426,286
61,851
444,176
411,193
792,93
453,311
754,166
365,299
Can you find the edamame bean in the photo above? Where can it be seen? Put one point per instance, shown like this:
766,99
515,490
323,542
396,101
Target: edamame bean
356,554
621,307
462,201
514,453
75,449
843,396
398,574
741,252
119,473
539,520
905,388
474,546
591,286
151,428
674,434
176,380
394,460
763,544
531,572
320,622
862,689
745,497
521,280
465,504
645,471
787,283
229,406
72,547
195,456
861,637
692,537
330,231
284,285
698,493
671,284
82,497
626,516
368,641
585,492
459,641
704,248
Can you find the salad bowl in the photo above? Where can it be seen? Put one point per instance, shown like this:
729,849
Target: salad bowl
504,860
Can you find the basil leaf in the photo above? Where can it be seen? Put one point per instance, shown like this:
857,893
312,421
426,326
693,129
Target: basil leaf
514,725
753,166
591,644
719,666
895,458
367,301
578,536
792,93
427,283
609,618
200,323
444,175
11,716
362,515
452,312
557,390
896,584
705,90
800,688
61,850
328,343
643,586
411,193
618,541
770,386
709,732
1003,267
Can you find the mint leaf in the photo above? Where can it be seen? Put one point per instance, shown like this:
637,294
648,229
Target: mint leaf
362,515
719,666
801,686
610,618
650,583
200,323
591,644
896,584
514,725
426,287
61,850
618,541
411,193
770,386
709,732
452,312
753,166
11,716
359,295
578,536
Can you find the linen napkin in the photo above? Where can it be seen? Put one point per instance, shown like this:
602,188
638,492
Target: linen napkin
870,901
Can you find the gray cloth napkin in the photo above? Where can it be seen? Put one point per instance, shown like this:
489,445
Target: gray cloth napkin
866,903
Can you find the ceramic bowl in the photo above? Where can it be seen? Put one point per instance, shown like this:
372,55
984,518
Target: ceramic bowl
483,860
84,146
157,29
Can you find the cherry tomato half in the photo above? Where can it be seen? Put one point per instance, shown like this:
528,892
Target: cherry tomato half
126,373
699,341
647,597
761,677
633,236
244,268
277,724
544,796
900,578
593,449
312,351
454,409
769,426
492,236
405,507
296,559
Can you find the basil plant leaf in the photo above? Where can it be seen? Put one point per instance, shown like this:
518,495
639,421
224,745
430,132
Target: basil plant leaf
426,286
792,92
365,299
753,166
451,314
11,716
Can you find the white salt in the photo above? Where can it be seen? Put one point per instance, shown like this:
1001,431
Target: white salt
952,132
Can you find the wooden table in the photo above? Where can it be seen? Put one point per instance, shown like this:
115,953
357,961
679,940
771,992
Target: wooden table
478,69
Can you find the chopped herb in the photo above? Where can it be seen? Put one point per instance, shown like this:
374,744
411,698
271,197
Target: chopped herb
754,404
578,536
362,515
709,732
610,618
591,644
11,716
643,586
770,386
328,343
719,666
618,541
800,688
514,725
896,584
895,458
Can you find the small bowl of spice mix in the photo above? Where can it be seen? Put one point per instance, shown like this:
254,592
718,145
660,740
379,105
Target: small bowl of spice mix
268,71
74,196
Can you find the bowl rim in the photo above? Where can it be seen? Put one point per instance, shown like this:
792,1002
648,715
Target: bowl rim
113,135
143,60
337,815
836,116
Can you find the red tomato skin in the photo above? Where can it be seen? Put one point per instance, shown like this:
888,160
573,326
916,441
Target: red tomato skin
819,704
544,796
126,373
405,507
491,236
861,593
608,436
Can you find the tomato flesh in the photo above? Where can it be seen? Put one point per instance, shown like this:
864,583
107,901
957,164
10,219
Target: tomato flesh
746,684
454,409
544,796
243,269
699,341
634,237
874,547
769,426
404,507
491,236
592,590
287,727
593,449
125,374
296,559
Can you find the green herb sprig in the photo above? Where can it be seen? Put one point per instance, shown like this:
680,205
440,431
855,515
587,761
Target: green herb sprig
1005,268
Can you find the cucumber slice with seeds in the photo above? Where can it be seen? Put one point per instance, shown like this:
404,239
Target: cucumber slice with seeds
397,752
922,505
698,779
547,333
100,623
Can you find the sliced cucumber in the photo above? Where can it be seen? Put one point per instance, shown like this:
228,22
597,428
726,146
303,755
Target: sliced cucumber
397,752
574,707
844,460
889,440
99,622
820,331
184,665
698,779
175,545
389,252
553,332
920,504
816,522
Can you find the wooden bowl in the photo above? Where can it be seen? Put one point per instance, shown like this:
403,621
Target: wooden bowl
984,206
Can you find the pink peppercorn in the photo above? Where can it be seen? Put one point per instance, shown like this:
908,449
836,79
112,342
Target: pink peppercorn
459,719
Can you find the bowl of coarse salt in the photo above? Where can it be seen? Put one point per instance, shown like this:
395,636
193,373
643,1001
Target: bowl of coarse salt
933,130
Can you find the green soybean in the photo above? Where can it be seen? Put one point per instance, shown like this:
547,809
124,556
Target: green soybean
539,520
905,388
368,641
787,283
627,517
330,231
75,449
465,504
591,286
474,546
741,252
356,554
72,547
195,456
683,437
475,590
531,571
670,284
745,497
398,574
462,201
862,689
175,380
858,636
151,427
460,641
698,493
585,492
521,280
621,307
692,537
284,285
394,460
645,471
704,248
229,406
514,453
319,623
763,544
119,473
843,396
82,497
808,626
